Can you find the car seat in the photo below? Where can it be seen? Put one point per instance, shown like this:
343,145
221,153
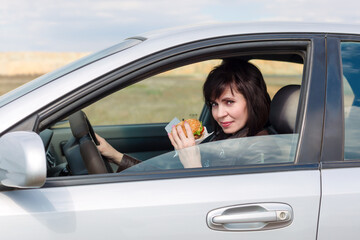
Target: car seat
283,110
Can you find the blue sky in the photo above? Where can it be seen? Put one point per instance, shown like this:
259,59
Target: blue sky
91,25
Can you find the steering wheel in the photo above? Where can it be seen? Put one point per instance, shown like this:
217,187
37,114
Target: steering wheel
85,137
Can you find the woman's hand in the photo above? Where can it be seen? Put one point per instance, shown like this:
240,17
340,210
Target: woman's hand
108,151
189,154
178,138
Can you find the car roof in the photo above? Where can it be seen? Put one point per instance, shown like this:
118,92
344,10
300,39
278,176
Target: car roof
239,28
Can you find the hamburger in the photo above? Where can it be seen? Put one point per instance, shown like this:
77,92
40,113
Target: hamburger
196,127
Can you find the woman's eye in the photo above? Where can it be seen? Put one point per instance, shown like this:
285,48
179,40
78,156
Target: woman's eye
229,102
213,104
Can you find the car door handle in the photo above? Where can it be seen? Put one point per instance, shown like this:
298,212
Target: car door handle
271,216
250,217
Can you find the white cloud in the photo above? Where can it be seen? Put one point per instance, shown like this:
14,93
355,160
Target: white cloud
62,22
345,11
87,25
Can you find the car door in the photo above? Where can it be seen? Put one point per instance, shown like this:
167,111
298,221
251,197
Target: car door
271,200
339,212
164,208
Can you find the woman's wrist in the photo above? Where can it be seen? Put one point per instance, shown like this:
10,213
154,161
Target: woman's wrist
118,157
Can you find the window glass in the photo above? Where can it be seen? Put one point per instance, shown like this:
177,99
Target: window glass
350,53
232,152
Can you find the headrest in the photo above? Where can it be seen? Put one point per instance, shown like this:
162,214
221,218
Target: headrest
283,109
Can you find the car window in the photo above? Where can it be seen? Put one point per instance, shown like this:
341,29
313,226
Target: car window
178,93
350,52
133,121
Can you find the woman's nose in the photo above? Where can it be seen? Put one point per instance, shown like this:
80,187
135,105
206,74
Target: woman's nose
221,112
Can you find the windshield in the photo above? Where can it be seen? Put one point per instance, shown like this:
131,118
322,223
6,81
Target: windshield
40,81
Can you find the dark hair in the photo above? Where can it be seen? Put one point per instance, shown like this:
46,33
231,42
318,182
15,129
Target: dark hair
246,79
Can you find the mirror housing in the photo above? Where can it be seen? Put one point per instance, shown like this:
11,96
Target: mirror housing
22,160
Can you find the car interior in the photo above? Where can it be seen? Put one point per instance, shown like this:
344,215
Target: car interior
71,143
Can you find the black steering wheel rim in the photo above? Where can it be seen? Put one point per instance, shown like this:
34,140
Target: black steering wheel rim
85,137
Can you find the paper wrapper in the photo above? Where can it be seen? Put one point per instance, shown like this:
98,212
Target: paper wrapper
205,135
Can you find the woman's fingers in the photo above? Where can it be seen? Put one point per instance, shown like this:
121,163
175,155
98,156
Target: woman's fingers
172,140
98,136
181,133
105,148
189,132
178,138
100,139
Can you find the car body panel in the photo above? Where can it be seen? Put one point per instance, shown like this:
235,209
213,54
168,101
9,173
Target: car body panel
162,209
340,210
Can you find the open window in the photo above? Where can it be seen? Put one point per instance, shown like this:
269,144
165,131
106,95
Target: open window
132,116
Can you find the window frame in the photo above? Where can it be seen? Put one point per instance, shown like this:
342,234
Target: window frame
310,111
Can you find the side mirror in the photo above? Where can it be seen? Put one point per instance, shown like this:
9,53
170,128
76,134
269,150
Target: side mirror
22,160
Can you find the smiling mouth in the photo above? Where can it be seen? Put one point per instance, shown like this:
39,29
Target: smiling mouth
225,124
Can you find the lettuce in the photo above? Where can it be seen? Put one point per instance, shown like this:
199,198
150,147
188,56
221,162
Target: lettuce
200,131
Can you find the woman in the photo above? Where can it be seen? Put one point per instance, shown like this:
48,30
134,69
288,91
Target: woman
236,93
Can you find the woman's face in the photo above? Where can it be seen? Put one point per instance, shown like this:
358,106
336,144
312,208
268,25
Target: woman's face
230,111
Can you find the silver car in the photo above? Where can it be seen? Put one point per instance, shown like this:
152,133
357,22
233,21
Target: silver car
56,185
